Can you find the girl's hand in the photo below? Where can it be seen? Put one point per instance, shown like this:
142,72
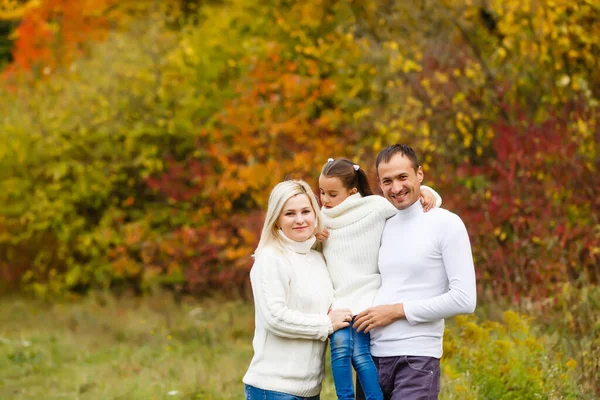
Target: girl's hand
324,235
340,318
427,199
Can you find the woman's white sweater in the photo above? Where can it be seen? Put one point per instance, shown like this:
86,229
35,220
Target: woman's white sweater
292,295
352,250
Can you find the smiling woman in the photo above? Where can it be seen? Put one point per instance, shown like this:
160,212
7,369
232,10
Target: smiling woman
297,220
292,296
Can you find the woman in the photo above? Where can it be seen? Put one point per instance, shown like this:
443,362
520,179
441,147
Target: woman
292,295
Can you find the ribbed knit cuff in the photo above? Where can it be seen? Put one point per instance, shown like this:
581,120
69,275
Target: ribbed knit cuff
330,329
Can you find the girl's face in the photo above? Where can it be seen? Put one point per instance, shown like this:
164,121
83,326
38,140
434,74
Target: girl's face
297,218
333,192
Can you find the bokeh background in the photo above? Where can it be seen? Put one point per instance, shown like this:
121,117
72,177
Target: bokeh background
139,140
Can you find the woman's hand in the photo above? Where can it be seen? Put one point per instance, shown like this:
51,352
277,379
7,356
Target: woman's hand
323,235
340,318
427,199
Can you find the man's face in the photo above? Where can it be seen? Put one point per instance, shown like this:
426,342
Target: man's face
399,181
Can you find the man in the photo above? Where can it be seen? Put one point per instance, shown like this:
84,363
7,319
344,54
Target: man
427,275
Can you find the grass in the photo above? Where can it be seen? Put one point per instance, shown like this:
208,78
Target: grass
104,347
107,348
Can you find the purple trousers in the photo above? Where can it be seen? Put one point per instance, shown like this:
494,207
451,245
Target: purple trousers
407,378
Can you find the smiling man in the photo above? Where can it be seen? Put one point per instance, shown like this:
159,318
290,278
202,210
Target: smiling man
427,275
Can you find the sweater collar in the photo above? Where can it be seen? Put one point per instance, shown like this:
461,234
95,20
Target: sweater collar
297,247
411,211
349,203
353,209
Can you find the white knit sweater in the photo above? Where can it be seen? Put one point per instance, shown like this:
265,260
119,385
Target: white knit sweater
292,295
352,249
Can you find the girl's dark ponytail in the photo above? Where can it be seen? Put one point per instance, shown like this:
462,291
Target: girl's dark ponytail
351,175
363,183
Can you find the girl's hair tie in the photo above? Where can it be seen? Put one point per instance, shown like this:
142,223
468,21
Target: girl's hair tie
329,160
356,167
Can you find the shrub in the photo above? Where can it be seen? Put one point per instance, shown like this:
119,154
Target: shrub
505,360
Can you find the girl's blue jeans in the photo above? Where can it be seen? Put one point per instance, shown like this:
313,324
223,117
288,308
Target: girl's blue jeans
254,393
351,348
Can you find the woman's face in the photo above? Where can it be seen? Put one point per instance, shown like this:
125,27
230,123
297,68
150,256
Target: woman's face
297,219
333,192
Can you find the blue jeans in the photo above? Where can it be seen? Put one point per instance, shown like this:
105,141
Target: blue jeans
351,348
253,393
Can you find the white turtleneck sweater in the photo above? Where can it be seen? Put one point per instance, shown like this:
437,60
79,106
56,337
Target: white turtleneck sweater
426,263
352,249
292,295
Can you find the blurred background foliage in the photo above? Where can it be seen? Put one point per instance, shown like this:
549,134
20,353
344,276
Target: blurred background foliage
139,141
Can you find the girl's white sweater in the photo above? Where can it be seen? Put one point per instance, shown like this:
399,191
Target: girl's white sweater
292,295
355,227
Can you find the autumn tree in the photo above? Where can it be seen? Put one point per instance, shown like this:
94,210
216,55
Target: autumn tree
162,177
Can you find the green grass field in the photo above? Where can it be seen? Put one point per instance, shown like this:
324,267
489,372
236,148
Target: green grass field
103,347
106,348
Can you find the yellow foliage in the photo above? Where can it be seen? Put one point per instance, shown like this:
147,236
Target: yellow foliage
515,323
15,9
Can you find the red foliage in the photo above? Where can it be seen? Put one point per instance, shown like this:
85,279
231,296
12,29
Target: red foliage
532,220
182,181
198,260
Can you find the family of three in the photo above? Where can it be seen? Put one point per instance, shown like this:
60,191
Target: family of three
376,276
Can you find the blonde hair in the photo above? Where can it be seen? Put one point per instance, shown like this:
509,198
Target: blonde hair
280,194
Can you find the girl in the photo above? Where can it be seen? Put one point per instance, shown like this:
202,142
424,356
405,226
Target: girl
292,295
354,219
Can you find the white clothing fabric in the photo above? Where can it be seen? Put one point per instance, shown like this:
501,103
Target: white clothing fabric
426,263
355,227
292,295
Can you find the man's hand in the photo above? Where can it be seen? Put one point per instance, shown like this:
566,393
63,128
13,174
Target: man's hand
323,235
379,316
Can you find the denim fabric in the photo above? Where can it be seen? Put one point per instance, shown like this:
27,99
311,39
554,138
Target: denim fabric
351,348
253,393
407,378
